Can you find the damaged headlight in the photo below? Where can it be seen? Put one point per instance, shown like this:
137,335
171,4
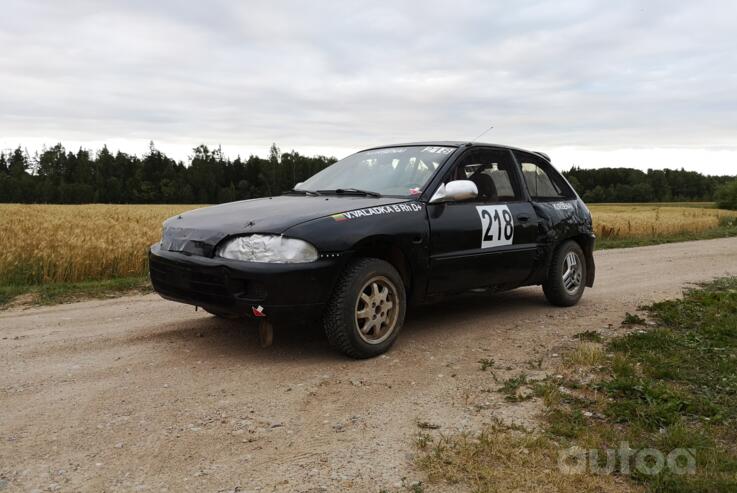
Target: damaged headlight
268,248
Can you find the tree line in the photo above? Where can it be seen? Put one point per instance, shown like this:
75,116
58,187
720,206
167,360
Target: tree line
59,176
634,185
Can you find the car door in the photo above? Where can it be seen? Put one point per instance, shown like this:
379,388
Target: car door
487,241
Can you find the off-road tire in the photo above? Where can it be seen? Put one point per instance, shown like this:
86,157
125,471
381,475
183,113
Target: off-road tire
339,322
554,286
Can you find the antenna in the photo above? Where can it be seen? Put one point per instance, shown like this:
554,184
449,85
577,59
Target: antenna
482,134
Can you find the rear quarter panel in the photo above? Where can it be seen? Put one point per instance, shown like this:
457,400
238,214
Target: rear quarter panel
557,222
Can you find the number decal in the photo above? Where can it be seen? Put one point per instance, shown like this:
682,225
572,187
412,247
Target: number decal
486,219
508,224
497,225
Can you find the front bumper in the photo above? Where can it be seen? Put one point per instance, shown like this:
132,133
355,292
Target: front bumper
285,292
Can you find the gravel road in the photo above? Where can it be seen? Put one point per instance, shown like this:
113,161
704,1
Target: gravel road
138,393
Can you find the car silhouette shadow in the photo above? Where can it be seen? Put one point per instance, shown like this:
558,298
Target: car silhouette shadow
205,335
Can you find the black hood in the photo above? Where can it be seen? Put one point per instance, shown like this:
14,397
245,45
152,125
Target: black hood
198,232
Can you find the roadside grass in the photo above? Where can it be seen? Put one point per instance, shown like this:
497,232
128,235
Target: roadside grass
668,387
590,336
633,319
486,363
500,460
585,354
512,388
9,293
709,234
67,292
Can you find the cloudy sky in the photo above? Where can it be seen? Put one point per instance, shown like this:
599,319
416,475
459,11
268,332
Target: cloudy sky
625,83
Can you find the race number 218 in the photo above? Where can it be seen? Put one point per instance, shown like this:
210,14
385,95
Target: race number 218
497,225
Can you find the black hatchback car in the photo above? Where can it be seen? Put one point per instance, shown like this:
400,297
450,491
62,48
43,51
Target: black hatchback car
356,243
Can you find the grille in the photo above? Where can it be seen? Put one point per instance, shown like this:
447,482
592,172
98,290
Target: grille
206,285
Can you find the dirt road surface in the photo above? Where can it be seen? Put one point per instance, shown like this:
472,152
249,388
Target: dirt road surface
141,394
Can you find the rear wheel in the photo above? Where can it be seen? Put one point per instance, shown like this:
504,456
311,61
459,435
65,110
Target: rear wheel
366,310
566,280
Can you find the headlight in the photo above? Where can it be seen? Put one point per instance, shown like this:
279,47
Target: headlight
268,248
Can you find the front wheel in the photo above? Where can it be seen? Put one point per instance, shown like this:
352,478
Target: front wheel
566,279
367,309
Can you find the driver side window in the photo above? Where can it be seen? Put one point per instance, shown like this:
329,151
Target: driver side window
493,173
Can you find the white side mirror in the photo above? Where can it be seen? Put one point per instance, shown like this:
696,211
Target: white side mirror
455,191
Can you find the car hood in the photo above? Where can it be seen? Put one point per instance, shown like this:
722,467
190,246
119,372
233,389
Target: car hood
197,232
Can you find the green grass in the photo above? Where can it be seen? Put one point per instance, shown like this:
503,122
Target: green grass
49,294
486,363
672,386
633,319
8,293
511,387
589,336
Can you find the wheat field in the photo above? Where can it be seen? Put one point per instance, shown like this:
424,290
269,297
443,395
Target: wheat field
70,243
625,221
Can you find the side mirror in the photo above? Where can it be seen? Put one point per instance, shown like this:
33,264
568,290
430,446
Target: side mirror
455,191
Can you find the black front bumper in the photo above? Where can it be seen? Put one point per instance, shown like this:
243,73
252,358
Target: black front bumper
285,292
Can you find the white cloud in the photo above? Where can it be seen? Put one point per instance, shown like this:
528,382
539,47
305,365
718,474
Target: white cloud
593,83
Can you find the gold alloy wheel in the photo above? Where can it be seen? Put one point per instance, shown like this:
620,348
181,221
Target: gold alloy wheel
377,310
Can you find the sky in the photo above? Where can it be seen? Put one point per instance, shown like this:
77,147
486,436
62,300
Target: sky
645,84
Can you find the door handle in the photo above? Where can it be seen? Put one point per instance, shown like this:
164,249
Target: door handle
523,218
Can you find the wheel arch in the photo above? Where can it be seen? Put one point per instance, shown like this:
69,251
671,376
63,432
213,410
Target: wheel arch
390,250
587,243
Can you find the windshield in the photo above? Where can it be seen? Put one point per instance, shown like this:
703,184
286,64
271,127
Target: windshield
401,171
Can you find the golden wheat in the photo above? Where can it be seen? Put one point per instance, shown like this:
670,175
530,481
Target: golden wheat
653,221
70,243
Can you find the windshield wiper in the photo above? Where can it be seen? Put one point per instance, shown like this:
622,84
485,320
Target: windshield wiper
305,192
352,191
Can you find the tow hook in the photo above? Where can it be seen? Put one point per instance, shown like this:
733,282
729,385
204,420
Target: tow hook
265,329
265,333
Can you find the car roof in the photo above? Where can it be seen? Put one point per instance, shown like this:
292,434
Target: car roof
459,143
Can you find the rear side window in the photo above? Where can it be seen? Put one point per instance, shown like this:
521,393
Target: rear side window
543,182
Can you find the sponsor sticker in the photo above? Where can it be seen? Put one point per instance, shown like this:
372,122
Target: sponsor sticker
378,211
562,206
390,150
439,150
